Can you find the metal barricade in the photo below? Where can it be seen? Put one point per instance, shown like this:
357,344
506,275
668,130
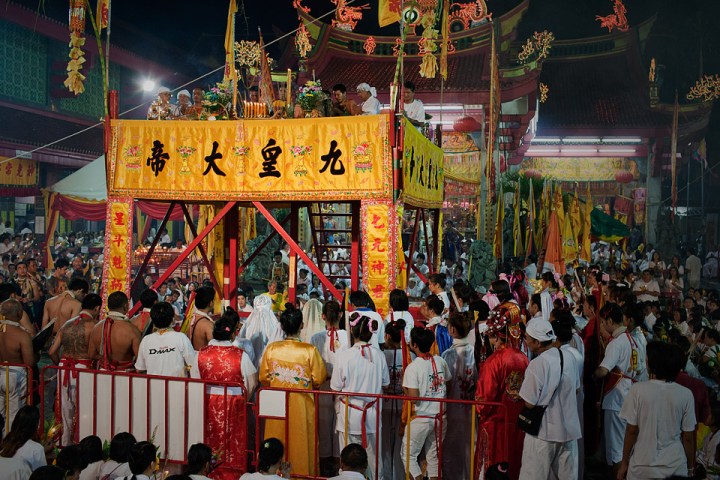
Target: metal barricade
171,412
274,404
17,379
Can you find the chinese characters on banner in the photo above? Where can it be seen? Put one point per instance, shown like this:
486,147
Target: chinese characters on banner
118,242
379,234
423,175
306,159
18,172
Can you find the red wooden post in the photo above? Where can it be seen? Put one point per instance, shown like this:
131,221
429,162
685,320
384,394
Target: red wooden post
355,246
151,250
230,275
292,267
201,249
294,246
186,253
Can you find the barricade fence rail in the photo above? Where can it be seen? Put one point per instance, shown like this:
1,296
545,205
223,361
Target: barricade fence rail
171,412
16,389
276,404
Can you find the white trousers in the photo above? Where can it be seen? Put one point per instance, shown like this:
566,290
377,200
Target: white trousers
542,460
422,434
370,449
67,384
13,388
614,433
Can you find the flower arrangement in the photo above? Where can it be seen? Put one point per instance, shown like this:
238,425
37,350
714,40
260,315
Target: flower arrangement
241,151
300,150
185,151
216,100
311,95
361,149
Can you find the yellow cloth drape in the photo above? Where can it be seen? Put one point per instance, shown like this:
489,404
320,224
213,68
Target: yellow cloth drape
517,238
51,220
499,220
585,250
118,245
388,15
423,170
293,364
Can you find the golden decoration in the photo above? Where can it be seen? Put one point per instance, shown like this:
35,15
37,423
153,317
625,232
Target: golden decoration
707,89
428,45
75,79
302,41
469,13
247,54
346,18
540,44
543,92
651,75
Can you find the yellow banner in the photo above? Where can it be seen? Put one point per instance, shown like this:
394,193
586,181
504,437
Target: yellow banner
389,12
379,234
118,241
423,174
584,169
303,159
18,172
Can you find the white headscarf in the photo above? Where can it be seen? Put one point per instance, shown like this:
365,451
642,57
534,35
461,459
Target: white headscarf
183,92
262,321
312,319
364,87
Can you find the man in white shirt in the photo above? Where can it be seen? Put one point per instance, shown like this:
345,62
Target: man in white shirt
436,285
554,448
370,104
413,108
427,377
353,463
166,352
693,269
646,288
619,374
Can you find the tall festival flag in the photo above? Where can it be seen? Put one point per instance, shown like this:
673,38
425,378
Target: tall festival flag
230,43
103,14
493,118
542,217
267,96
673,155
499,220
445,30
389,12
517,237
585,250
531,220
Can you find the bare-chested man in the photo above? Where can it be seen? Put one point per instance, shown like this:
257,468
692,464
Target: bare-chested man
148,298
7,291
73,340
66,305
15,347
114,341
201,326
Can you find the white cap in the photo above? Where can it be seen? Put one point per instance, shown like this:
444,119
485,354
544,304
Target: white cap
540,329
163,90
184,92
364,87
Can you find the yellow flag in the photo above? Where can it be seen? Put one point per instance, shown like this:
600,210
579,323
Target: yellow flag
517,238
530,220
543,216
389,12
102,17
230,43
585,252
499,220
569,241
574,213
558,205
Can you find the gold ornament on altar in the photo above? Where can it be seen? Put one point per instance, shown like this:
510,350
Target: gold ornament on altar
651,75
539,44
346,18
369,45
705,89
543,93
247,54
302,40
75,79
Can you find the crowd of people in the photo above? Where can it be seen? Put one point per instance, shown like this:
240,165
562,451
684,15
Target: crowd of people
619,358
195,107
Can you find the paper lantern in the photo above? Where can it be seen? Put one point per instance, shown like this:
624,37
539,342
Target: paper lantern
533,173
466,124
623,176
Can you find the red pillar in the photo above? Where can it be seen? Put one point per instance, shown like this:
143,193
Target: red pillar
292,268
230,268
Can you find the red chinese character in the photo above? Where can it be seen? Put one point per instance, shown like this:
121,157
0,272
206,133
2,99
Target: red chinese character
119,219
118,240
376,222
20,170
117,261
378,267
377,246
378,291
8,168
116,285
31,170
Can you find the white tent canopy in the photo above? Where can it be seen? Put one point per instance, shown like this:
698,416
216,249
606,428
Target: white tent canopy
88,183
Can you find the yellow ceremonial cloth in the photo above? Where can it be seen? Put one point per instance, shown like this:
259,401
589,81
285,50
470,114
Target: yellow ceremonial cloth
294,364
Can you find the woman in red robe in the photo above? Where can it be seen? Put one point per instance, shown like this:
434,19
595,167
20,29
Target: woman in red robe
226,420
499,380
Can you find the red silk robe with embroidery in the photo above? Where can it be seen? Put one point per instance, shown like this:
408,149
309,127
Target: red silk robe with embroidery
226,421
499,380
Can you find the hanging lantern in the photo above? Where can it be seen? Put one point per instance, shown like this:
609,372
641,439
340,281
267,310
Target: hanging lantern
533,174
623,176
466,124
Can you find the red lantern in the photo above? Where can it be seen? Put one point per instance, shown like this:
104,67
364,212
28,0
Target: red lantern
466,124
623,176
533,173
